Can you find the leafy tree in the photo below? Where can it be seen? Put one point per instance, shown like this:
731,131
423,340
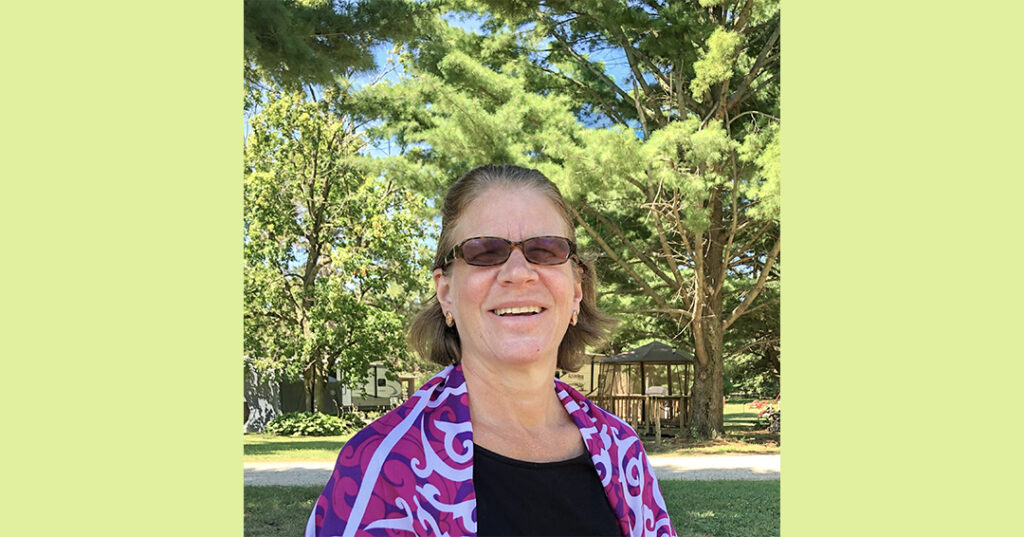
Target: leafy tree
332,246
683,200
673,168
297,42
752,352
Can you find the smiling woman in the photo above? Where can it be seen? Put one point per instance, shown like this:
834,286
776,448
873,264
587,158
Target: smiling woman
494,444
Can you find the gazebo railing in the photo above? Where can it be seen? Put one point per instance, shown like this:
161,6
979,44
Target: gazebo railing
640,410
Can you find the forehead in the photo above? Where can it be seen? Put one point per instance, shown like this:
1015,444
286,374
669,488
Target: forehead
513,213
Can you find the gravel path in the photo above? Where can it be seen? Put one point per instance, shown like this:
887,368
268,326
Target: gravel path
700,468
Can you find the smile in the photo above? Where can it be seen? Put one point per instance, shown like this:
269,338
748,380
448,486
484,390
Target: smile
519,310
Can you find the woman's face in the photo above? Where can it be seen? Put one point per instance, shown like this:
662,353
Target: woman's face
477,296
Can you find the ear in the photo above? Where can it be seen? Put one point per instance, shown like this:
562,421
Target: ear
442,287
577,292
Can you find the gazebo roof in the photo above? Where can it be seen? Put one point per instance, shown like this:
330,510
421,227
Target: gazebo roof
651,353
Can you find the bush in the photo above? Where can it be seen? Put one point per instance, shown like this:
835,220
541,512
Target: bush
357,419
306,424
318,424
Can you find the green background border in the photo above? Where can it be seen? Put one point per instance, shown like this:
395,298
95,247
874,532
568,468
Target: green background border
901,232
121,209
122,294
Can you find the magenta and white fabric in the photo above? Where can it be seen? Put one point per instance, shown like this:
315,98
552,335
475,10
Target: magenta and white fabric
411,471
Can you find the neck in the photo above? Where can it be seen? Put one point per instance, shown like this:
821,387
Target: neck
520,396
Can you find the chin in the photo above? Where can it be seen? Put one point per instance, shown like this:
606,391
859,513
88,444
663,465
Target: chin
523,353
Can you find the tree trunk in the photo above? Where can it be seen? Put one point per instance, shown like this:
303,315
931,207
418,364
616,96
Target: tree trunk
308,382
707,411
315,382
708,408
320,398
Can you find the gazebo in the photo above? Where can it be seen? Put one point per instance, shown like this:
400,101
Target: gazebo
646,386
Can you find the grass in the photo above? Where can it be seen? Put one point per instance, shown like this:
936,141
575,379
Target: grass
268,447
272,511
723,508
743,434
697,508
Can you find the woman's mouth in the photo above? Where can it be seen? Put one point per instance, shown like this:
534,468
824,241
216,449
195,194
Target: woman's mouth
517,311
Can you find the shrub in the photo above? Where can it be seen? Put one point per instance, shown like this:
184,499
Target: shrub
318,424
306,424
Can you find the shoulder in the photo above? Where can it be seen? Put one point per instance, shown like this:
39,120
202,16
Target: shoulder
396,427
573,399
358,450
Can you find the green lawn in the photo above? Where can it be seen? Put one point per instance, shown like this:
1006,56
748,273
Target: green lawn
723,508
698,508
271,511
268,447
743,434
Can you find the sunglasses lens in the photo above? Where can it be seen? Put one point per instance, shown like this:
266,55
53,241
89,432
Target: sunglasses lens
546,250
485,251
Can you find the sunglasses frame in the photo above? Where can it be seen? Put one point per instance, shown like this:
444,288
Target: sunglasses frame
456,251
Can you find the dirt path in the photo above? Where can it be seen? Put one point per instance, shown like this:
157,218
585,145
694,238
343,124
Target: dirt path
701,468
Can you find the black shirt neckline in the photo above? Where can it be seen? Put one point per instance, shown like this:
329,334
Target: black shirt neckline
529,464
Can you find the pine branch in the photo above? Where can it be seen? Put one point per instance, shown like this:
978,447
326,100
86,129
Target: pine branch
618,260
629,245
755,71
755,343
742,308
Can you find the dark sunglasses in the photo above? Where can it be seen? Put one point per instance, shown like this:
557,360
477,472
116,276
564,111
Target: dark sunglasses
491,251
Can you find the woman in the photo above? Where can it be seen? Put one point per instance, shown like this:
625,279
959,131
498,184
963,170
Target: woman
513,302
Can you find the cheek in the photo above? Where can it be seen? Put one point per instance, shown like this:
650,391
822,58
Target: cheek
470,290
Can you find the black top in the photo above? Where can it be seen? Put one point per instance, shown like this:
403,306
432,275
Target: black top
561,498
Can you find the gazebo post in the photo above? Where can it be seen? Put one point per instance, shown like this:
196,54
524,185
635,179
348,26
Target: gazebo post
643,402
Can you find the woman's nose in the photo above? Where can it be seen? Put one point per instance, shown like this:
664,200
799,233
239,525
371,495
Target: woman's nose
516,268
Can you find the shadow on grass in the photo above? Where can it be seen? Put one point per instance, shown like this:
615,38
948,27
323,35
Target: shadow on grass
723,508
280,447
743,433
278,511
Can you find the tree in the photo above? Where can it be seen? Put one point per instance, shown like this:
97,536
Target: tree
332,246
674,170
752,352
297,42
673,163
696,161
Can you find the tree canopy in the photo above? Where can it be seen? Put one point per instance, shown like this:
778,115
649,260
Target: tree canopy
659,122
297,42
332,247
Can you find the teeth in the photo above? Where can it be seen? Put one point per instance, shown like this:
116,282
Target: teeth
520,309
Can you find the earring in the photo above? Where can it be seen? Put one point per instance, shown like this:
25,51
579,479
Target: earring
448,319
574,319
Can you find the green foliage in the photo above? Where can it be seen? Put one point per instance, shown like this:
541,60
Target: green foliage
307,424
672,165
357,419
763,148
715,65
319,424
749,373
295,42
333,248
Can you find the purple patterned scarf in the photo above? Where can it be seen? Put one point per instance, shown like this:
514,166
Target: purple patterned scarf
411,471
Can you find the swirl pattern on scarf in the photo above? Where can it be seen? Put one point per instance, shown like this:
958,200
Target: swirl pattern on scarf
411,471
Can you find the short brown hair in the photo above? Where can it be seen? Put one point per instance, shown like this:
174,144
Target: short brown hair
434,340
